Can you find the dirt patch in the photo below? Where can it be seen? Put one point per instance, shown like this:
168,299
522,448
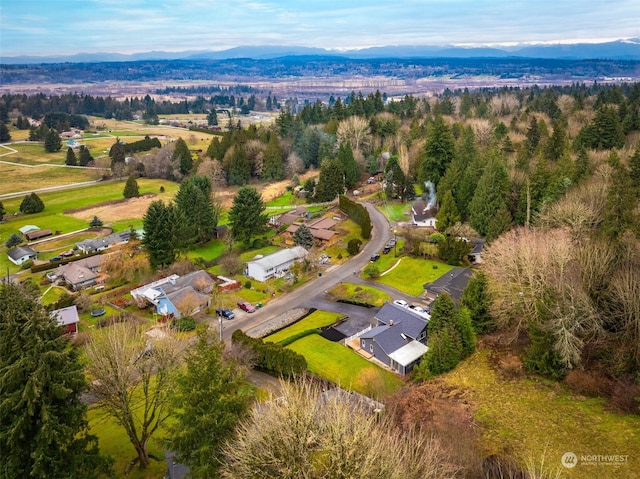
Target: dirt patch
115,210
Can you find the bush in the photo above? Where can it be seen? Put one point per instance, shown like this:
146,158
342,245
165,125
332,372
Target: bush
371,271
27,264
272,358
353,246
247,284
186,323
300,335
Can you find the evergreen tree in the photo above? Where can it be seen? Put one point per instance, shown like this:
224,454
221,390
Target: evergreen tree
43,428
131,188
182,156
465,329
533,136
217,397
31,204
475,298
349,165
445,351
303,237
582,166
96,222
2,211
196,205
621,201
158,224
212,117
454,251
4,133
557,146
438,152
448,214
117,153
52,141
443,313
13,240
239,168
499,223
71,158
634,169
85,156
246,217
273,164
489,195
330,182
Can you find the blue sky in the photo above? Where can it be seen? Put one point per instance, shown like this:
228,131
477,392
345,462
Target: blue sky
52,27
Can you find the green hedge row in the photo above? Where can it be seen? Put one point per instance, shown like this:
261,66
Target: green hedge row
358,214
272,358
300,335
142,145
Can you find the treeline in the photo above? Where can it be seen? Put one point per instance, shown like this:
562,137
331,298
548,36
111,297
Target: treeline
272,358
145,144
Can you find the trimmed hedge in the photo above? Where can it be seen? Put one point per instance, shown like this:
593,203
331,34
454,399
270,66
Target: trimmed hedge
300,335
358,214
272,358
36,268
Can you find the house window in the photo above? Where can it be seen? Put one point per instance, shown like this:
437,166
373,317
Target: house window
371,347
364,345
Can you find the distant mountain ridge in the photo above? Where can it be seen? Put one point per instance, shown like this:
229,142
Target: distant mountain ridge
615,50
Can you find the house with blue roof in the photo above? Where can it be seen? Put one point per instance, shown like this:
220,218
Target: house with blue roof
399,338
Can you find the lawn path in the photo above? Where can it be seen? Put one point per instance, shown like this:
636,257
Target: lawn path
392,268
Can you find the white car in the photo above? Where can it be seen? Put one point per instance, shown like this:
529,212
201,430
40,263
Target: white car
401,302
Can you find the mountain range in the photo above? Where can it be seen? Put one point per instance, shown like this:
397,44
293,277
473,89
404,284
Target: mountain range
628,49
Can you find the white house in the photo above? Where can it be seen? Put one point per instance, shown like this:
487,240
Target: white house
21,254
423,214
275,264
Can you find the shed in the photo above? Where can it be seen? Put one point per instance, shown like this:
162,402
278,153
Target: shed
21,254
67,318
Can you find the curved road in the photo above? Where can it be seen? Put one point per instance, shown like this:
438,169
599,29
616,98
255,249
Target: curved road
380,235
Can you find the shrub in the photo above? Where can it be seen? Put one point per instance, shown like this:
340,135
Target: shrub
353,246
247,284
588,382
371,271
272,358
300,335
27,264
186,323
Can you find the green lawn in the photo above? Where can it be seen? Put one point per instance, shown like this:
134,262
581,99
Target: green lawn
533,416
315,320
412,273
34,154
345,367
210,251
396,211
15,178
113,441
361,293
287,199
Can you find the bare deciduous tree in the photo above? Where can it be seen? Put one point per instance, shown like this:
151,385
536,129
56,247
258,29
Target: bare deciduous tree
132,378
355,131
307,433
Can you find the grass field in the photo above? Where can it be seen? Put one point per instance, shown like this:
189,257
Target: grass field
412,273
345,367
315,320
533,417
396,211
361,293
14,178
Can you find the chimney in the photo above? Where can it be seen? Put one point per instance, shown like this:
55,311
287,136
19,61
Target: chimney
391,322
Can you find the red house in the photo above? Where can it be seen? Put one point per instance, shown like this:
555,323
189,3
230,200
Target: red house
67,318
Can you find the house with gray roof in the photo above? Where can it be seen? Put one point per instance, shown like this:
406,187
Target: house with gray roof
21,254
398,339
67,318
454,283
275,264
100,244
423,214
81,274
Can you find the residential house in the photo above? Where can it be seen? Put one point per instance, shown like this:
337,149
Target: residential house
67,318
320,229
298,214
423,214
398,340
100,244
82,273
175,296
21,254
454,282
220,231
38,234
275,264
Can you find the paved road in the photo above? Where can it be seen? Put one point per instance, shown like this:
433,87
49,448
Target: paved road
314,291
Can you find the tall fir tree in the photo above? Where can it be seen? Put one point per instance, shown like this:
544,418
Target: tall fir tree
182,156
4,133
71,158
43,427
52,141
330,181
448,214
476,299
131,189
489,195
273,163
438,152
246,216
158,234
195,202
217,396
117,153
85,156
349,165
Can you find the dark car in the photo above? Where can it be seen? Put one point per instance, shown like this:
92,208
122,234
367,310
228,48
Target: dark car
375,257
55,258
386,249
225,313
246,306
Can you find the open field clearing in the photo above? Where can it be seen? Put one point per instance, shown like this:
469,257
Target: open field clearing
536,418
412,273
14,179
